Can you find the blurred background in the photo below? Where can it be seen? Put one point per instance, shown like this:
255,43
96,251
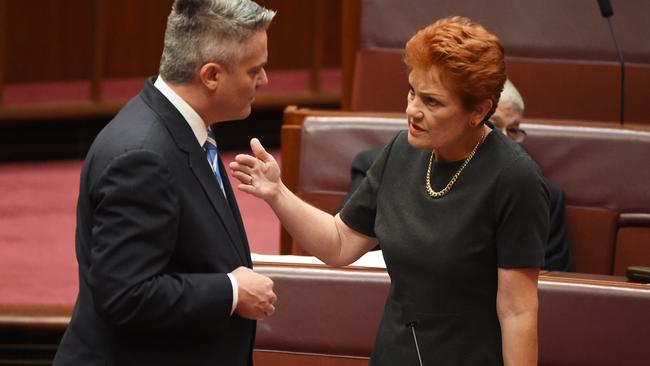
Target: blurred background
67,66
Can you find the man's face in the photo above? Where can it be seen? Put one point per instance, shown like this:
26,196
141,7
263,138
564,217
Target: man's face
239,83
506,119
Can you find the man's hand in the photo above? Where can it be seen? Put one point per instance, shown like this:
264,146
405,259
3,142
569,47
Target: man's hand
256,297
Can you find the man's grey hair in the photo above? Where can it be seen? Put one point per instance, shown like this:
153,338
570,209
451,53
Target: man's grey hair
201,31
510,94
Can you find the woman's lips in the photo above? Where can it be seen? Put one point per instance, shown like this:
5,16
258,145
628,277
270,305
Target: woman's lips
415,130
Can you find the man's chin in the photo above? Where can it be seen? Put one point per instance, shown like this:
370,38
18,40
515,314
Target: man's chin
243,113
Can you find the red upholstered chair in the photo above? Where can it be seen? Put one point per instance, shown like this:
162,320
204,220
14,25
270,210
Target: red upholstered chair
308,136
606,186
560,55
329,316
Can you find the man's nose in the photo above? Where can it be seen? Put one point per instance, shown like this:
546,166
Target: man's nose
263,78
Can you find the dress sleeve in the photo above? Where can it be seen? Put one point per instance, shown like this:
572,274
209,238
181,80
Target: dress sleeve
360,210
358,170
522,214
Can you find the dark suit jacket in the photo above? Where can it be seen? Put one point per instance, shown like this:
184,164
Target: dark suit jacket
558,256
155,238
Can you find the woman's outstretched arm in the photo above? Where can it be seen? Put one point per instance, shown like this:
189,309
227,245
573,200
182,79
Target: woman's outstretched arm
321,234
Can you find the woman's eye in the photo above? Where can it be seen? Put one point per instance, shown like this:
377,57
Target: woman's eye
431,102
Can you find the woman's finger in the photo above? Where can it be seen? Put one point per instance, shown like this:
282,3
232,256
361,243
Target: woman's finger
237,167
242,177
259,151
245,159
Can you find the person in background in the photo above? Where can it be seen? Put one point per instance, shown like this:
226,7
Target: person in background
460,210
165,272
506,119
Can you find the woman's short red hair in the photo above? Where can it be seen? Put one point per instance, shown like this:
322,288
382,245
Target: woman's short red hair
469,58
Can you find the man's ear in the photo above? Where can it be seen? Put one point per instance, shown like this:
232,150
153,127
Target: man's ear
210,74
480,111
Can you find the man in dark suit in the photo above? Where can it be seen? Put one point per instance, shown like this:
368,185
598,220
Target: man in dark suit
506,119
164,265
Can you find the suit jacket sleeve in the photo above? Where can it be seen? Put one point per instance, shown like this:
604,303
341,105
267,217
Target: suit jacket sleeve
558,255
135,227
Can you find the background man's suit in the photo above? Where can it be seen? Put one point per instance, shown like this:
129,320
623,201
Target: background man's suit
155,239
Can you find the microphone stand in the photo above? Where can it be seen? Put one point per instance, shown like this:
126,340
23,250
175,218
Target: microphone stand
606,11
622,63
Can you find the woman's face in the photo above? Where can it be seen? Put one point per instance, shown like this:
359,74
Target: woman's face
436,117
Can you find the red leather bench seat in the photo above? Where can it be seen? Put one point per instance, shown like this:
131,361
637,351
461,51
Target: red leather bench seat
583,319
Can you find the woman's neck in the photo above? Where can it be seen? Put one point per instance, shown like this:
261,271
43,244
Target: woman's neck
461,149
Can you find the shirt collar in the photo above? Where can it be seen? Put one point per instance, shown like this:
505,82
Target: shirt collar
191,117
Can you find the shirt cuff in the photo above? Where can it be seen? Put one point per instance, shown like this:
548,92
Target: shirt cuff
235,292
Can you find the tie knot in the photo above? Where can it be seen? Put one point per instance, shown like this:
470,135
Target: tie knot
210,142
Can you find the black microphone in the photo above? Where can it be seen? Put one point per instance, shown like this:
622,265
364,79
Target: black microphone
605,8
606,11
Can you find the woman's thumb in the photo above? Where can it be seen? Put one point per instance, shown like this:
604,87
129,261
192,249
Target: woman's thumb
258,150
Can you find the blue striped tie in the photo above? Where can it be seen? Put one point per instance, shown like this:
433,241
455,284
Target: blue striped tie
210,148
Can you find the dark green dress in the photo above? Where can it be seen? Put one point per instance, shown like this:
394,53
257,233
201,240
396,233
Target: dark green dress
443,254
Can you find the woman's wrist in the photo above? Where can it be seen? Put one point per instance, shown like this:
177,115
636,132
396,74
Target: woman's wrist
275,196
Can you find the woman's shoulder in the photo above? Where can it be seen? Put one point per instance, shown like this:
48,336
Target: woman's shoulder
512,160
399,148
401,137
509,152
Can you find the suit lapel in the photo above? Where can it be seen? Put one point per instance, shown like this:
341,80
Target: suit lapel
234,208
198,163
201,168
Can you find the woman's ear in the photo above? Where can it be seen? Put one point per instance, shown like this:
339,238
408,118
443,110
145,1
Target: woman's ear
480,111
210,74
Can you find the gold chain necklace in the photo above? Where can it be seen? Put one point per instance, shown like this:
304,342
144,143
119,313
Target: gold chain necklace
447,188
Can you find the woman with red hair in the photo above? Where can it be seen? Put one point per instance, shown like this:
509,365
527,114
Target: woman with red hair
460,211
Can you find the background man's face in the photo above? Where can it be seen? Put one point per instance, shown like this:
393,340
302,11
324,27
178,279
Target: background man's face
506,119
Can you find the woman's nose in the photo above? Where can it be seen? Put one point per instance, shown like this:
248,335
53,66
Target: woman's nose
412,112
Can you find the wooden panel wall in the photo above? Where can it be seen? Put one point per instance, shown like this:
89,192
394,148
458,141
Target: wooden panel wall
290,34
53,40
134,33
47,40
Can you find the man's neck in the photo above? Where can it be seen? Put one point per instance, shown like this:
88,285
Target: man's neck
193,96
